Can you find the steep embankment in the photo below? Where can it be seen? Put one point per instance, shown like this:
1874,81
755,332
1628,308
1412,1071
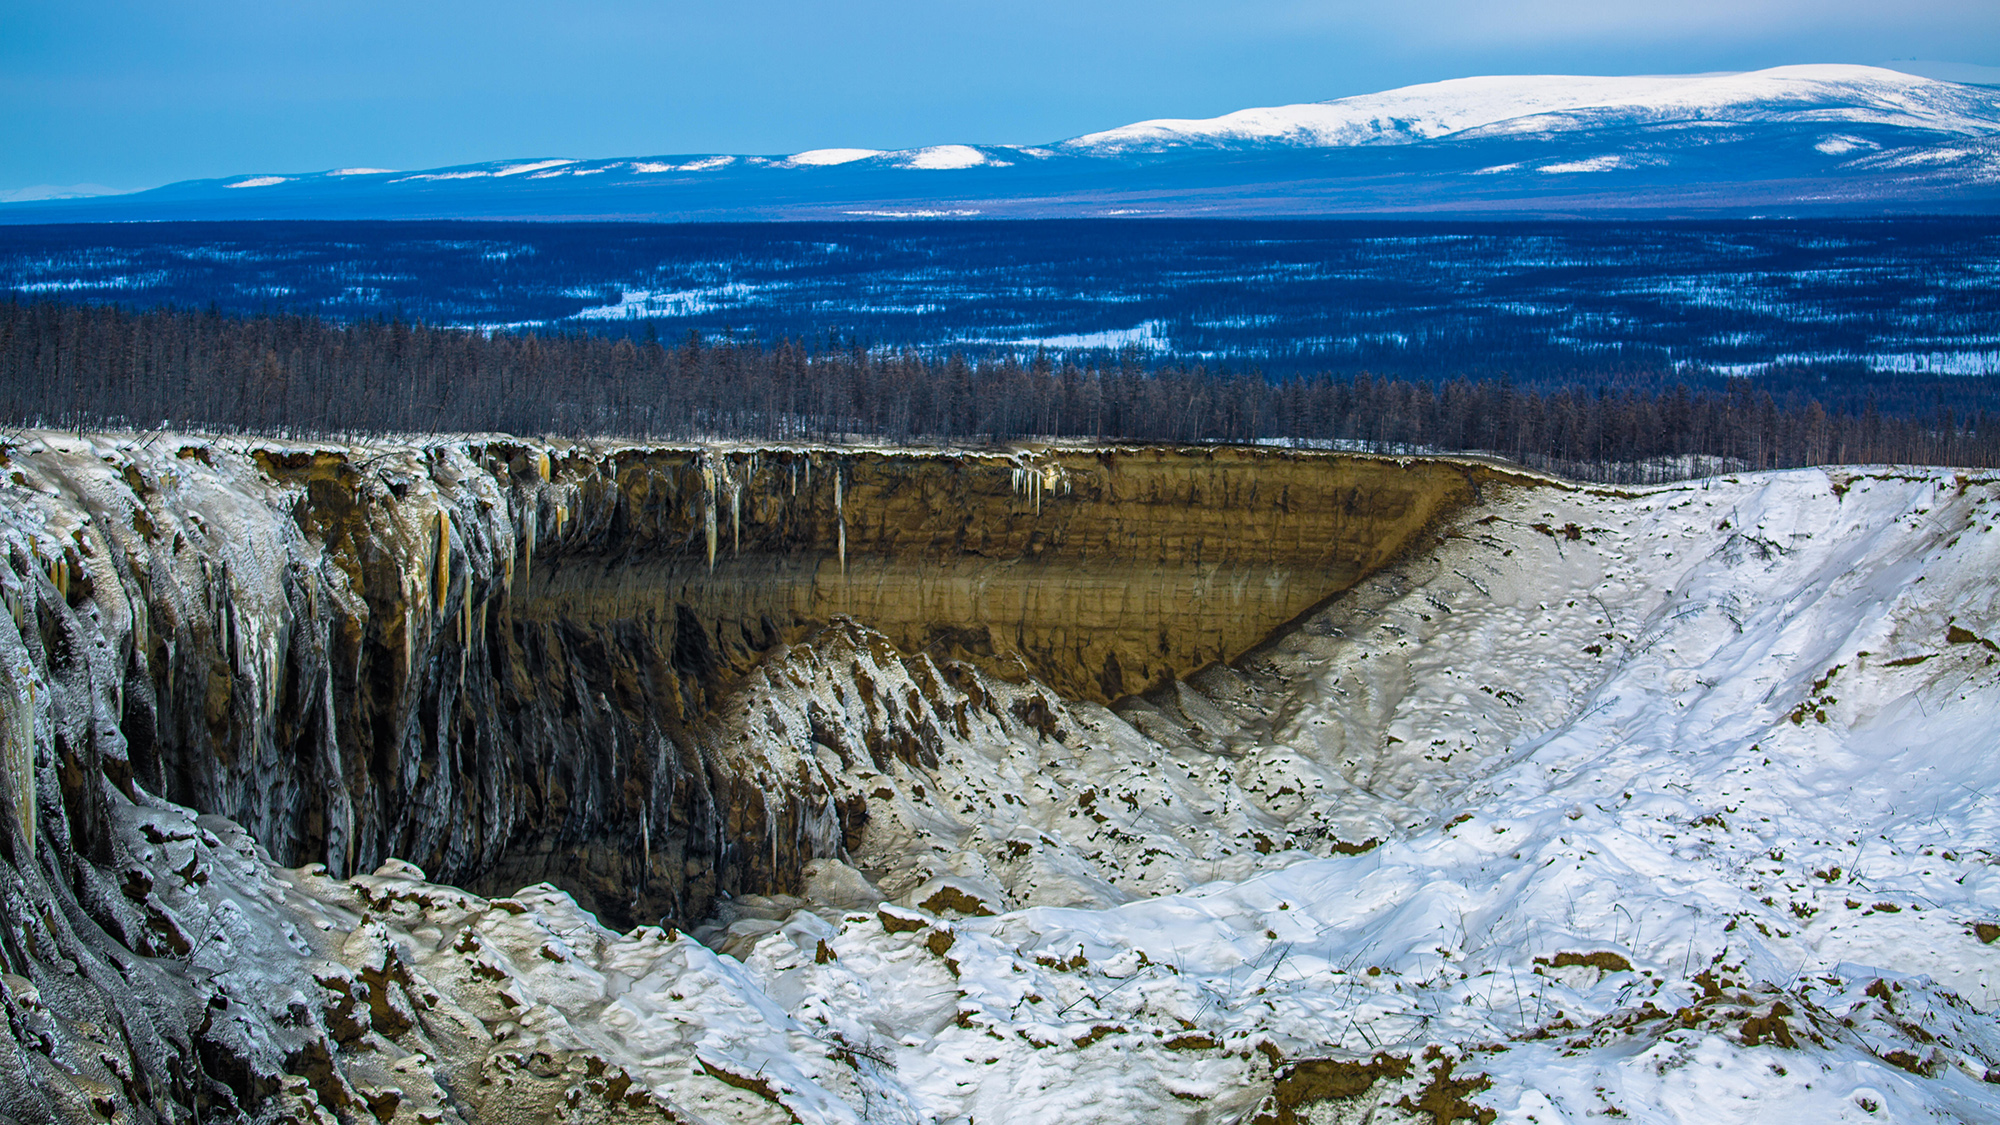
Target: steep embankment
495,659
508,662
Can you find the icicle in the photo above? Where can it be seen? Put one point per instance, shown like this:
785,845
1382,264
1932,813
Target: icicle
840,513
528,544
465,629
17,744
708,520
714,498
1030,481
542,465
736,519
441,580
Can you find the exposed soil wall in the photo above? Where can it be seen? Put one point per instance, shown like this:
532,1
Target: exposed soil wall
496,658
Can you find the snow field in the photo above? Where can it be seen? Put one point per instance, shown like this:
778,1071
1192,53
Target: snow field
1587,724
1541,103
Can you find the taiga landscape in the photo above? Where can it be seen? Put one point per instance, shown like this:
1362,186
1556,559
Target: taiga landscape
1470,600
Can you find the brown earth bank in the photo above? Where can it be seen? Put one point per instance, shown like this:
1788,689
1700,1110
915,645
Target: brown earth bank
494,657
504,660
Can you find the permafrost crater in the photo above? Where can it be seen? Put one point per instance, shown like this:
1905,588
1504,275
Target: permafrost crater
1128,784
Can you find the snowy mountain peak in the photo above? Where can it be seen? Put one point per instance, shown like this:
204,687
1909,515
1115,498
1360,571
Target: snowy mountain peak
1817,93
1851,139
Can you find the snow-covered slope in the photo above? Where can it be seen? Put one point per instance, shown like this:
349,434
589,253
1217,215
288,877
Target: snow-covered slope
1821,138
1818,95
1684,809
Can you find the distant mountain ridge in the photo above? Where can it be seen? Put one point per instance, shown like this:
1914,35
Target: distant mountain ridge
1548,104
1822,139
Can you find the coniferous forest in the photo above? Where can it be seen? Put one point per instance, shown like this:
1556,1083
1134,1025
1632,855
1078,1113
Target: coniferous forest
84,366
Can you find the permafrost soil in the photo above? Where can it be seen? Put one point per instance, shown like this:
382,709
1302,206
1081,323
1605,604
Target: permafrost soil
1668,805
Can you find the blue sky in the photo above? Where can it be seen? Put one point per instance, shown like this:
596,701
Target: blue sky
132,94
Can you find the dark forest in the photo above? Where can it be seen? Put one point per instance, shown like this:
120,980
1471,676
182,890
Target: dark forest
82,366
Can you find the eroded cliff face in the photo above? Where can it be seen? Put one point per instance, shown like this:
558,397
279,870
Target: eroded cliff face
508,662
496,659
1099,572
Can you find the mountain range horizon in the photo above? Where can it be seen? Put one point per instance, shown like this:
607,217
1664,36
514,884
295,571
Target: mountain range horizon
1806,139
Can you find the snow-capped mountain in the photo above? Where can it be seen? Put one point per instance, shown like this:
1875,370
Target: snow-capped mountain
1795,139
1523,105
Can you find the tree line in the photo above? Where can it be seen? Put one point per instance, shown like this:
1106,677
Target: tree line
79,366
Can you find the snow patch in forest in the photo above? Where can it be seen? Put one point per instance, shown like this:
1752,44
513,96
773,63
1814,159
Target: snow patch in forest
1151,335
1938,363
68,285
704,164
488,171
639,304
1968,363
532,166
1592,164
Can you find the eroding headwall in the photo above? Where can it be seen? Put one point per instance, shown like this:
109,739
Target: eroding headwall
1100,572
511,661
496,658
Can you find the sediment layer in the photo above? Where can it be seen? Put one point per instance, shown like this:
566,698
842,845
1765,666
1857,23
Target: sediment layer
495,658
